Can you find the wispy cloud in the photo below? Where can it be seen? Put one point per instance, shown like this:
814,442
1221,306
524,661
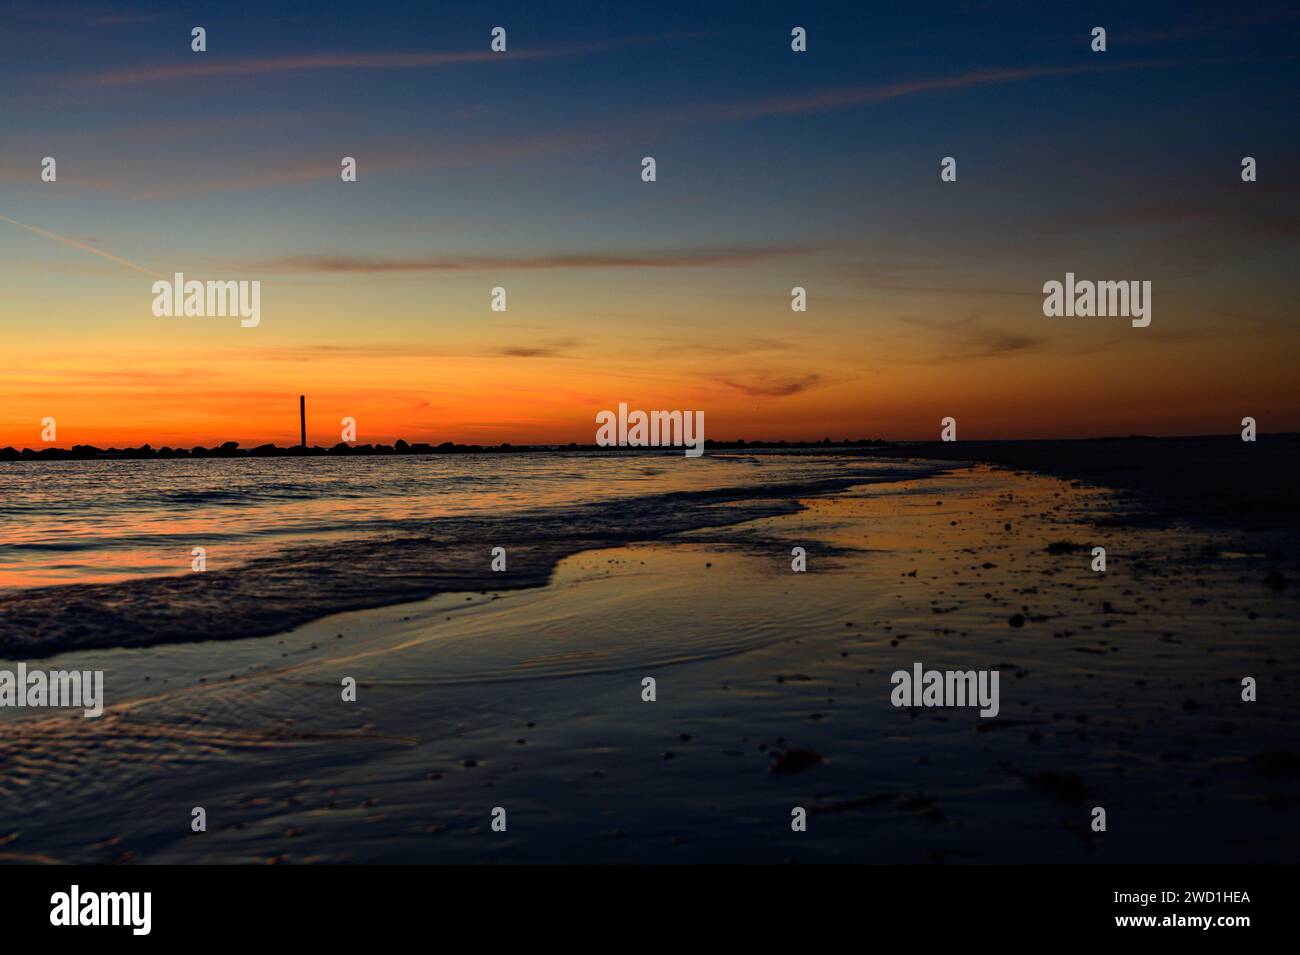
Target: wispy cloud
74,244
10,172
767,386
1208,23
972,338
401,351
391,159
515,351
731,345
289,64
79,15
1215,206
348,61
670,258
555,349
837,98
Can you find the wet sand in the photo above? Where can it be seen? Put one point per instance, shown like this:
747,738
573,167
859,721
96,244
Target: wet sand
1119,690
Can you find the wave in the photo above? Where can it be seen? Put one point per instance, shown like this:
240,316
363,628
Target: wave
272,594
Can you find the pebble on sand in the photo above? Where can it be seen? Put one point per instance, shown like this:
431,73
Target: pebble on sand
795,761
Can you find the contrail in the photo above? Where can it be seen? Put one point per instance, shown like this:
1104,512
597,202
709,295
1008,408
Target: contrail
81,245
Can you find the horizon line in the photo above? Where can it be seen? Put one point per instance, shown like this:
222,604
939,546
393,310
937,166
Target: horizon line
237,449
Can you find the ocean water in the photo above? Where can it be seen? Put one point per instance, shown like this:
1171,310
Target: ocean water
99,554
104,521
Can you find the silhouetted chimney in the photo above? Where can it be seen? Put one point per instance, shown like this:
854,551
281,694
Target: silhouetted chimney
302,418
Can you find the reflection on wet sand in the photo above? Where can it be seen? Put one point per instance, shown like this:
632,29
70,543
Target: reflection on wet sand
1119,690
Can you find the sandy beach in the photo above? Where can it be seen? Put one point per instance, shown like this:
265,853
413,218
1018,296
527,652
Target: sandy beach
1120,690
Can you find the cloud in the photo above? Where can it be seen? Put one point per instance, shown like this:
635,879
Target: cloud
972,338
401,351
1214,205
83,15
519,352
669,258
287,64
73,243
555,349
767,386
204,68
731,345
827,100
1206,23
293,165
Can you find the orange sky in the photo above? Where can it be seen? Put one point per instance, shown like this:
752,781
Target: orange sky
206,388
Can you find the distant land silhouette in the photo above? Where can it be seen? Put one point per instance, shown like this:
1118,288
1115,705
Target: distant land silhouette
231,449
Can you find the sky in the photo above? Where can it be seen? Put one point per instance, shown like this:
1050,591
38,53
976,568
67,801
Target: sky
522,170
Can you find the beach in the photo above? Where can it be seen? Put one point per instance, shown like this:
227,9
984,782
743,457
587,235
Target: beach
1120,690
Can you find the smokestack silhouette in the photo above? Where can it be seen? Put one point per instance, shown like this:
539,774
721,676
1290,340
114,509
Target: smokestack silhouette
302,418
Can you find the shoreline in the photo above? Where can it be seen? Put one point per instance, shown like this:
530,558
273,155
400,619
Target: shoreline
1220,483
1119,690
273,594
